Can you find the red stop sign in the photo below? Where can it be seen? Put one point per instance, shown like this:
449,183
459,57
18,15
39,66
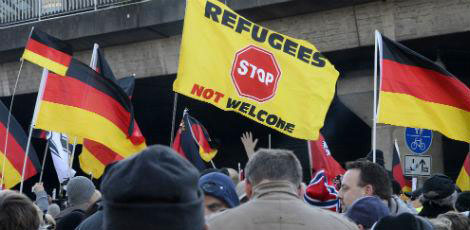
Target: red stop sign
255,73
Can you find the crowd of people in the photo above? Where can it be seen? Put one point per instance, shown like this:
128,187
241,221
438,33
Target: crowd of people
159,189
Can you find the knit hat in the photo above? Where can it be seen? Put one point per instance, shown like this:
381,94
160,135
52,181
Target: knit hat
320,194
154,189
437,187
53,210
79,190
404,221
367,210
220,186
462,203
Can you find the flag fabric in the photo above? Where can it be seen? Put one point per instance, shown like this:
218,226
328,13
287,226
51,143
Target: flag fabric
192,141
463,181
84,104
15,152
95,156
321,159
60,152
397,171
40,134
48,52
319,193
236,65
415,92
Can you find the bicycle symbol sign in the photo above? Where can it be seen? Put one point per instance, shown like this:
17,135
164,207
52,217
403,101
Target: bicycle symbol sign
418,140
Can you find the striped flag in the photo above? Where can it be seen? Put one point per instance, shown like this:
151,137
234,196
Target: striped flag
15,153
321,159
84,104
463,181
397,171
95,156
417,93
193,142
48,52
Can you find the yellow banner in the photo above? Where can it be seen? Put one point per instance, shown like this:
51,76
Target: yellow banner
281,82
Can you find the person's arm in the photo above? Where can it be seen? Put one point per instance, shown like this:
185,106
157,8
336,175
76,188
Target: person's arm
41,197
249,143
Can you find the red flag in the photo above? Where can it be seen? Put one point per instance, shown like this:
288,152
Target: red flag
321,159
397,171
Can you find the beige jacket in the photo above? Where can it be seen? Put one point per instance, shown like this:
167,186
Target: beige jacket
276,206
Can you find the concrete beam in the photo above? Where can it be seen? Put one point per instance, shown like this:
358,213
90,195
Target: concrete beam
332,31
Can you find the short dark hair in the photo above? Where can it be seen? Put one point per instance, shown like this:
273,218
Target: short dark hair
375,175
17,212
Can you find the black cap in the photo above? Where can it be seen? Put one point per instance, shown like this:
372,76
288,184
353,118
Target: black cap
155,189
437,187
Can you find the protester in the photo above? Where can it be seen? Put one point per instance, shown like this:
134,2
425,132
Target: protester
219,192
441,224
438,196
241,192
53,210
17,212
462,204
155,189
42,200
404,221
459,221
366,211
273,180
320,194
414,202
81,194
364,178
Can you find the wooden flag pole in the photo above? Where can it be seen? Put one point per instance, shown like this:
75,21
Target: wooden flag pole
33,122
72,156
44,161
173,120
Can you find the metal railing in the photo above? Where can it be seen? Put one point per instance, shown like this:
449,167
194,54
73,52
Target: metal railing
20,11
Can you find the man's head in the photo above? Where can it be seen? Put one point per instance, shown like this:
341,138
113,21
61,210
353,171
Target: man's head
364,178
272,165
80,190
154,189
462,204
219,192
366,211
17,212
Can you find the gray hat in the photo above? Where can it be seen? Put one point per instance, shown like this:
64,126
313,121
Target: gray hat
79,190
53,210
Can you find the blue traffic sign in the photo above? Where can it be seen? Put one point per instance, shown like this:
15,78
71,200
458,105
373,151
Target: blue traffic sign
418,140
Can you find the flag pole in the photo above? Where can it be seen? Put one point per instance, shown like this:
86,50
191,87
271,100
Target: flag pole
374,128
44,161
72,156
33,122
9,114
269,141
173,120
8,121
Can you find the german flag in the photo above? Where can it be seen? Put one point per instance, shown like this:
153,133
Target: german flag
84,104
15,151
463,181
397,171
417,93
193,142
48,52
